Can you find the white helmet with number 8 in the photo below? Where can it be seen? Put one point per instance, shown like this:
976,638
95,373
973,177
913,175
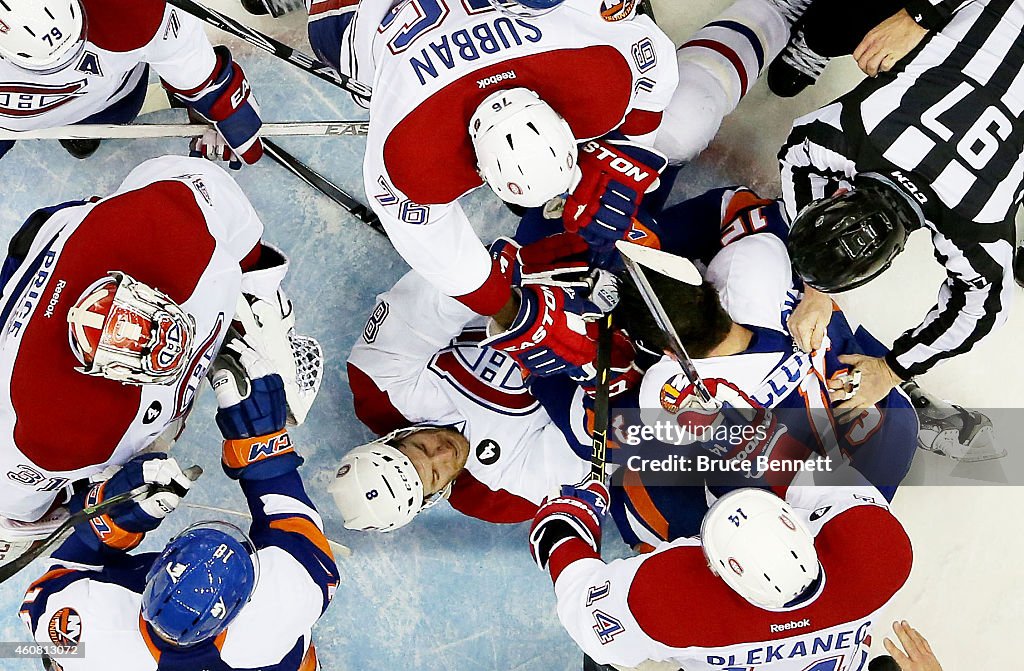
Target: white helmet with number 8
377,487
754,541
525,151
41,35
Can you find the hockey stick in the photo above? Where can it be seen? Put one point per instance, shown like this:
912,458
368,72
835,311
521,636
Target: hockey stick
635,258
155,130
89,512
276,8
323,185
599,434
343,550
267,43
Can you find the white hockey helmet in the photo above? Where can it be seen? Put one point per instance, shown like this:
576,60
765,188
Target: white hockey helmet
525,151
127,331
377,487
525,7
754,541
41,35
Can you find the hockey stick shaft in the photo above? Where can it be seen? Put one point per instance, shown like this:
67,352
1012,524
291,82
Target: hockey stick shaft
267,43
323,185
154,130
599,434
661,318
89,512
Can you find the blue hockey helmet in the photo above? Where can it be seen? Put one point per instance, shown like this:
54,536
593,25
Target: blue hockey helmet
200,582
526,7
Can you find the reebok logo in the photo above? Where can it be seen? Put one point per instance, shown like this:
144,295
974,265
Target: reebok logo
792,624
54,298
494,79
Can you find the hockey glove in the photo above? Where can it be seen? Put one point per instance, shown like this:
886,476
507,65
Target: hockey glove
125,525
252,414
226,100
212,146
623,374
577,513
554,330
604,206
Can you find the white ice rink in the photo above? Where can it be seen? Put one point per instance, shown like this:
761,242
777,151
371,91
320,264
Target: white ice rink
448,592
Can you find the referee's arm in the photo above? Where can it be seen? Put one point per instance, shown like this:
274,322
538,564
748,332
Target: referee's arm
815,160
973,301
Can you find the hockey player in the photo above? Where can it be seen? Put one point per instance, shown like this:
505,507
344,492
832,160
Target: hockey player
100,321
935,143
482,92
456,418
87,61
215,598
773,584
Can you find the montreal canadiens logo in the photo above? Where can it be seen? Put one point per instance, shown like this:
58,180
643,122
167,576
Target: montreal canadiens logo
65,627
18,99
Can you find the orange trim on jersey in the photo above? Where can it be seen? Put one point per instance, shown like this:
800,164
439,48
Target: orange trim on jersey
241,452
49,575
144,630
643,504
309,662
643,548
218,642
303,527
742,199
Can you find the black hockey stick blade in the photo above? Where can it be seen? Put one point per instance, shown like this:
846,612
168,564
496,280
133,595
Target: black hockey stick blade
599,434
279,8
89,512
267,43
323,185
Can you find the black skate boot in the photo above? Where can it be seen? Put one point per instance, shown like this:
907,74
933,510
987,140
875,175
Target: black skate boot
796,68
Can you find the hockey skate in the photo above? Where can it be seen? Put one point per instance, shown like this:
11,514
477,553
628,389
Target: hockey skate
796,68
791,10
950,430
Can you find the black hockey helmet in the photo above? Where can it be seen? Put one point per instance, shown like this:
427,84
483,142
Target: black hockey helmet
840,243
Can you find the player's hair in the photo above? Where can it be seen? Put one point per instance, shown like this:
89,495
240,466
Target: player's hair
696,314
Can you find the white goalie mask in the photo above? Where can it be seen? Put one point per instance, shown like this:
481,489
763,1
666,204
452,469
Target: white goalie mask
525,151
376,487
754,541
41,35
127,331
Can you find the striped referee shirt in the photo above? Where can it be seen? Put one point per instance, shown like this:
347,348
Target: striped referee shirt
946,126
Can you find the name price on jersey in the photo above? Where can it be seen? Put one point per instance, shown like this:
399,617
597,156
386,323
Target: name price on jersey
15,650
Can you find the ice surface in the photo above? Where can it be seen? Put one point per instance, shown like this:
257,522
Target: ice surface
449,592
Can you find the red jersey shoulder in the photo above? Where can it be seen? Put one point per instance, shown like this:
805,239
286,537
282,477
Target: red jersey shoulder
864,552
156,234
436,132
123,25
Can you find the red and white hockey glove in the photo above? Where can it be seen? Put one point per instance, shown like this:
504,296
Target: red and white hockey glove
226,100
616,174
623,374
554,330
576,514
125,525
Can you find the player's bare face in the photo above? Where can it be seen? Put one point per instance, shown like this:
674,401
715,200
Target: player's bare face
438,455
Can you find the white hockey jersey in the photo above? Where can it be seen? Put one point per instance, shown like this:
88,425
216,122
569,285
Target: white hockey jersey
181,225
99,607
122,36
419,361
432,62
668,606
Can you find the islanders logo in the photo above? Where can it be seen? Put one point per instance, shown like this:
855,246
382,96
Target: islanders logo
65,627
